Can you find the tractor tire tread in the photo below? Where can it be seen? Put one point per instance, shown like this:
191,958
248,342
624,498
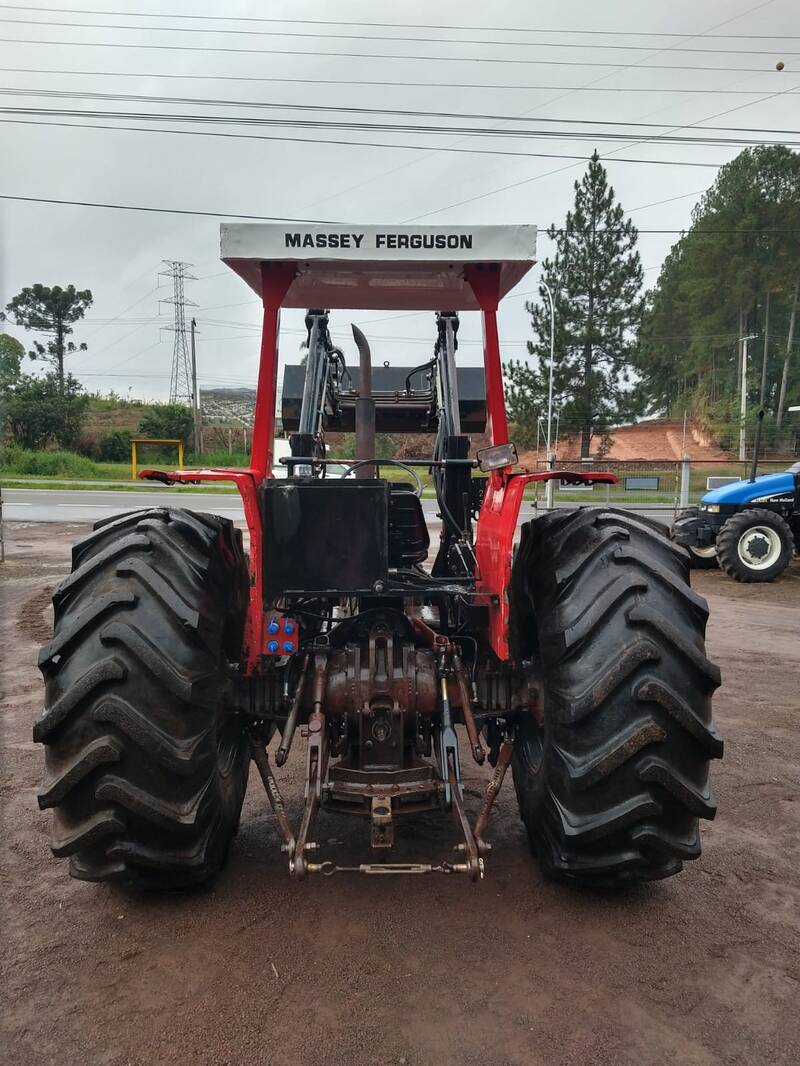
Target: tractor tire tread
730,534
145,768
611,786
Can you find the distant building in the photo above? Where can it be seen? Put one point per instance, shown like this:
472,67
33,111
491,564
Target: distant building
224,407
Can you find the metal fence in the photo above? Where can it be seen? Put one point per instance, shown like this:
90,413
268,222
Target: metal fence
661,487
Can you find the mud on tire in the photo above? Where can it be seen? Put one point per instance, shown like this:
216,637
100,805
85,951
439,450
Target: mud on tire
612,782
145,765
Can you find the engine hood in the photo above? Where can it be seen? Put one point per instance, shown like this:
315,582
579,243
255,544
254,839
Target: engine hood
764,488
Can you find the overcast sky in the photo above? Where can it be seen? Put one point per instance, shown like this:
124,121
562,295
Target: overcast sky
559,75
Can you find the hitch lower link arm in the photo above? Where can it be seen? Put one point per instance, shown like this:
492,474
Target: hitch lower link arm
473,846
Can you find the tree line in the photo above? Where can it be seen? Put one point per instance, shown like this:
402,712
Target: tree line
39,411
622,353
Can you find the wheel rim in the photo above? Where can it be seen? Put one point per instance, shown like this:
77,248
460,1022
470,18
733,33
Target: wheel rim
705,553
759,547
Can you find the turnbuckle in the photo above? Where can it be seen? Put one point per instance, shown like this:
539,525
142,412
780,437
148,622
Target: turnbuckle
328,869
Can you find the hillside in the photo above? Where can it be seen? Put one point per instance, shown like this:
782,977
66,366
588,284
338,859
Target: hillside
661,438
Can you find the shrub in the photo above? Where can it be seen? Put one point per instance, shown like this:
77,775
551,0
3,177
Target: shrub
38,411
115,448
167,420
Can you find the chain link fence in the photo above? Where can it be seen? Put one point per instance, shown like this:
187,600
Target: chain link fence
660,487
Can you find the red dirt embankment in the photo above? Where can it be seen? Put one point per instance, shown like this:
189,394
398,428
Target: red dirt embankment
659,438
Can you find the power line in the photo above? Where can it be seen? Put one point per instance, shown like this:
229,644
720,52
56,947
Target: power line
349,144
397,127
379,55
330,222
384,84
733,18
392,38
165,211
103,323
593,82
391,25
123,362
536,177
669,200
61,94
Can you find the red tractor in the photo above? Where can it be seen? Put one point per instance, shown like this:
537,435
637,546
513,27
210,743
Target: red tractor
177,657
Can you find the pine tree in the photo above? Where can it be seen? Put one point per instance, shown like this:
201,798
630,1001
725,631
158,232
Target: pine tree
52,311
735,271
596,279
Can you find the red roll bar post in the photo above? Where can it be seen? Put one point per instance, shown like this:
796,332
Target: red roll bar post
276,279
484,280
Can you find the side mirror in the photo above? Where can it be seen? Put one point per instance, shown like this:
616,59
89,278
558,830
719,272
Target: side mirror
496,457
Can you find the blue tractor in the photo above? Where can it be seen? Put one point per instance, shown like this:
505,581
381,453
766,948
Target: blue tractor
749,528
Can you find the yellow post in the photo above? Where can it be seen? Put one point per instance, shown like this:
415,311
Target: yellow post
136,441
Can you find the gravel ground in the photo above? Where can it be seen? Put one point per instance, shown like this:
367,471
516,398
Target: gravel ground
699,970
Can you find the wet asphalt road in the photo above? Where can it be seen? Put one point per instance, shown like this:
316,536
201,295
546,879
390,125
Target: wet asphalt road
90,505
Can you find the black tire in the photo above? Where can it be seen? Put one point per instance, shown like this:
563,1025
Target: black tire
145,763
702,562
746,534
699,558
613,778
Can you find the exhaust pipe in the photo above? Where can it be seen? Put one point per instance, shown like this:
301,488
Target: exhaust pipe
756,445
365,407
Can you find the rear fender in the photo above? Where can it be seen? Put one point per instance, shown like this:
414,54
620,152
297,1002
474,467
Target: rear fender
246,482
494,541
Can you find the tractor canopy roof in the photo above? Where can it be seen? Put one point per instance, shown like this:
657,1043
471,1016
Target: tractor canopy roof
379,267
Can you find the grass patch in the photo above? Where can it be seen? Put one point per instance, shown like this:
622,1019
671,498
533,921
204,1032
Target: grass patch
131,486
27,463
23,462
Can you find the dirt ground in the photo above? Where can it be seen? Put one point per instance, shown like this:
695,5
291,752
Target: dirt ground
700,970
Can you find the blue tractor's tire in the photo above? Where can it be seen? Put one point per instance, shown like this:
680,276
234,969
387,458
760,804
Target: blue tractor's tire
755,545
612,775
699,558
708,561
145,762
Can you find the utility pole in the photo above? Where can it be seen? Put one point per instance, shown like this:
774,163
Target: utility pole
743,398
180,383
198,438
788,356
550,463
765,354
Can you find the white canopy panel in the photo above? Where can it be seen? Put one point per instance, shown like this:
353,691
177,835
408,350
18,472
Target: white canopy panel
379,267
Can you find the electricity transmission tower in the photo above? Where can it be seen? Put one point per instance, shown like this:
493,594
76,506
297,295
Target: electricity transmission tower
182,387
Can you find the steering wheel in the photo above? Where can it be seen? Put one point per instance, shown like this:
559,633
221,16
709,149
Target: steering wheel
378,463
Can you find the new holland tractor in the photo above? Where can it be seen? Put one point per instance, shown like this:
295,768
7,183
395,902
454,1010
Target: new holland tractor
748,528
178,657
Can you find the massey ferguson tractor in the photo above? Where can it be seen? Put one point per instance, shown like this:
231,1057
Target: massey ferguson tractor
571,650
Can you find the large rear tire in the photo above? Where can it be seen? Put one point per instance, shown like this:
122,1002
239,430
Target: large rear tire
145,762
612,777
